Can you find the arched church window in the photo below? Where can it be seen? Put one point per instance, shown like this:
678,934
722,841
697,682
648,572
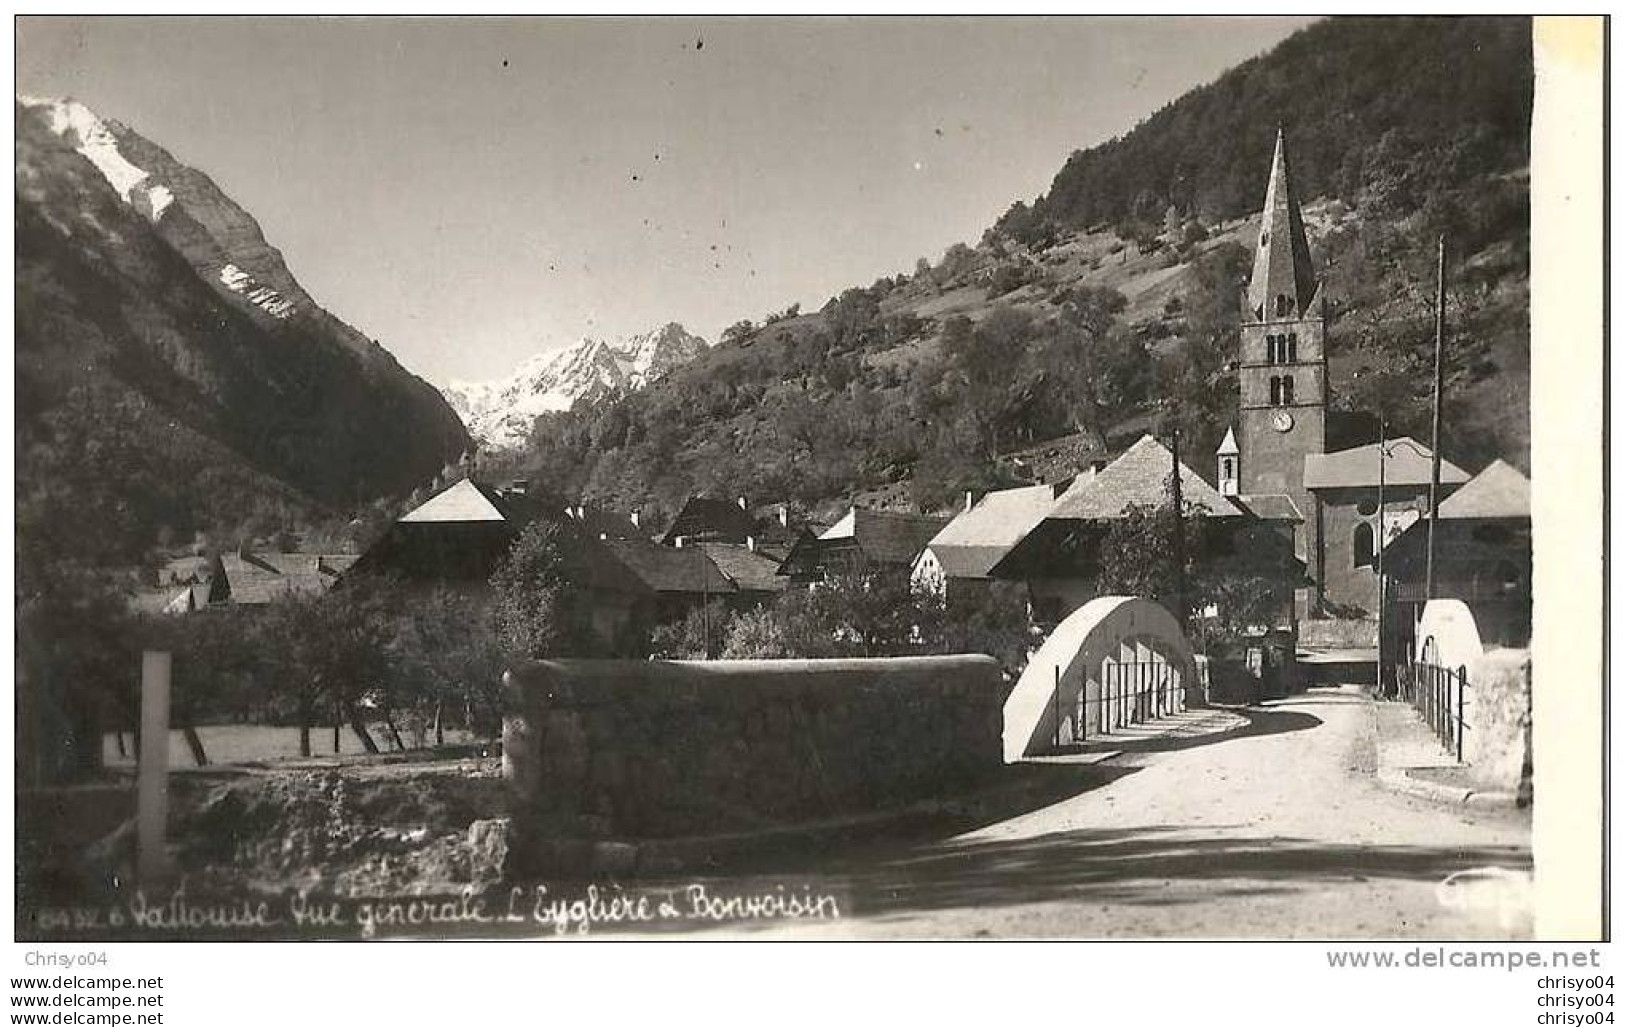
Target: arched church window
1286,391
1275,390
1229,467
1292,348
1283,306
1364,545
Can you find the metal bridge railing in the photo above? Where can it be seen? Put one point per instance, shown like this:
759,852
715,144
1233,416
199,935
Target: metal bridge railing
1128,693
1439,694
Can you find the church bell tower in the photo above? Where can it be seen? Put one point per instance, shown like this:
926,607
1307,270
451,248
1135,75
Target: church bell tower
1283,350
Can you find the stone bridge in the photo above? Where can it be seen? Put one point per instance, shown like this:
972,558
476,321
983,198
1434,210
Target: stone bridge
1115,661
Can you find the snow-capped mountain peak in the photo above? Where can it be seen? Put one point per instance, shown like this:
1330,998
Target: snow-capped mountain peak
500,414
219,238
93,140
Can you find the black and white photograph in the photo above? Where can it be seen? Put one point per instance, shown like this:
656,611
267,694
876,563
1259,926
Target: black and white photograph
679,478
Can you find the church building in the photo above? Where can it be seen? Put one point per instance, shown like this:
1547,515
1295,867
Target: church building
1279,458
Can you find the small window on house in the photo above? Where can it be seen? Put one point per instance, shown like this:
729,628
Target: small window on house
1509,577
1364,545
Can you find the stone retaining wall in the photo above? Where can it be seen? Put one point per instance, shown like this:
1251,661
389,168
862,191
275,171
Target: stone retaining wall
601,755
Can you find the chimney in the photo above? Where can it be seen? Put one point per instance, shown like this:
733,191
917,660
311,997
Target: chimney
1098,464
637,518
784,515
521,486
678,541
742,505
581,512
750,542
970,500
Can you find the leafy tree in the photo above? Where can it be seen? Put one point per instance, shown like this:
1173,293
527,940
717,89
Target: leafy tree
738,332
1098,370
77,664
448,659
538,611
995,621
329,651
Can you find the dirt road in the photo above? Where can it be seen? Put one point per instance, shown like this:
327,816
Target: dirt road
1277,829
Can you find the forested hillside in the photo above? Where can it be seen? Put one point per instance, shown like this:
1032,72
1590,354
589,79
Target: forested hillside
1108,306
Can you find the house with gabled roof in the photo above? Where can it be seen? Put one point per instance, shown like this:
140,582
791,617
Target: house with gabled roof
256,578
753,571
1483,556
863,541
959,558
460,536
1059,558
704,519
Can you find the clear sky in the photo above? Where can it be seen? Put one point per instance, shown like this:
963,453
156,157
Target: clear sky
472,192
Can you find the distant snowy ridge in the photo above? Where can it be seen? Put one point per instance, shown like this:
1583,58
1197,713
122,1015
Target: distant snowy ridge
94,141
500,414
148,191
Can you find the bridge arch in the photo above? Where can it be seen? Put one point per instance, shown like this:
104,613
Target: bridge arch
1073,686
1447,634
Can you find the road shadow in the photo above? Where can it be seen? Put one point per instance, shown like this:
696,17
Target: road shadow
1122,868
1250,722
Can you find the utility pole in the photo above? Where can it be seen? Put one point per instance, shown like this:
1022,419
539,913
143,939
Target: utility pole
1438,404
1177,496
1382,540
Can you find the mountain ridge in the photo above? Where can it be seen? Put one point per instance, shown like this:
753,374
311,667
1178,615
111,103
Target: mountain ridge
147,298
500,413
1112,302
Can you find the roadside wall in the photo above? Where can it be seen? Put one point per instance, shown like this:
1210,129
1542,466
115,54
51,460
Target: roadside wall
621,750
1499,720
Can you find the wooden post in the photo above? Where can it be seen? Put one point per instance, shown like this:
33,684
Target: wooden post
1057,706
1438,403
152,780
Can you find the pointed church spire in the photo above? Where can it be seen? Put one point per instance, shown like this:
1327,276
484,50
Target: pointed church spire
1283,284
